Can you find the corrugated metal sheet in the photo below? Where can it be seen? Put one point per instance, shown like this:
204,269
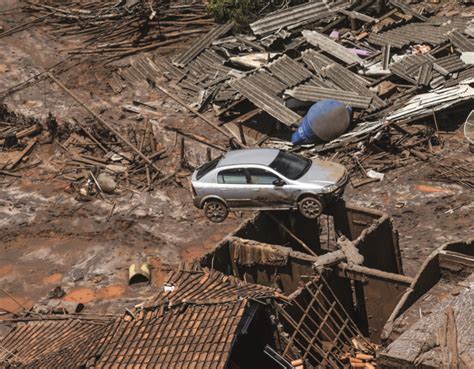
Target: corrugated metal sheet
461,42
411,33
267,83
183,59
425,74
289,71
265,101
348,81
462,76
433,101
312,93
458,22
165,66
452,63
315,60
296,16
408,67
331,47
210,64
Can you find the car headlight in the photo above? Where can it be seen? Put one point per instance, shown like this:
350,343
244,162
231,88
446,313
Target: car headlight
330,188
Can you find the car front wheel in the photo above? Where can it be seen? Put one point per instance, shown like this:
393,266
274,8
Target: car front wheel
215,211
311,207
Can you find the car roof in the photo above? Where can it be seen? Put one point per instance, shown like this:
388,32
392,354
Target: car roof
248,156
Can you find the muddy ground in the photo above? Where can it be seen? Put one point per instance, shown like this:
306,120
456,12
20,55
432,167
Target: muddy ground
50,238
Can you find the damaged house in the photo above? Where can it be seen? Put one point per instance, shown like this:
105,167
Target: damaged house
147,92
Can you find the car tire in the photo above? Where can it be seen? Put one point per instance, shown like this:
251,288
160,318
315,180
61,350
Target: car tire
215,211
310,207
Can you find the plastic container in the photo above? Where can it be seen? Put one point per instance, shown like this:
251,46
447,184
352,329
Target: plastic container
325,121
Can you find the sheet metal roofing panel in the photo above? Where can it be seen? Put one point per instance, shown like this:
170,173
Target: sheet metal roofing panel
165,66
331,47
266,82
452,63
425,74
296,16
411,33
288,71
187,56
459,23
265,101
312,93
316,60
208,63
461,42
348,81
433,101
408,67
462,76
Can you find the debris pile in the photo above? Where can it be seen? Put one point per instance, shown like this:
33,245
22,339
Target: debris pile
113,30
16,134
453,171
362,55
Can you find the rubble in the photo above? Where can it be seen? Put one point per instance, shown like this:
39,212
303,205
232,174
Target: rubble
140,93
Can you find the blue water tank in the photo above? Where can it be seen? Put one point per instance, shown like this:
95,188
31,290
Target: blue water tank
325,121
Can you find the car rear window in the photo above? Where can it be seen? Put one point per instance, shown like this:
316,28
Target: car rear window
290,165
206,168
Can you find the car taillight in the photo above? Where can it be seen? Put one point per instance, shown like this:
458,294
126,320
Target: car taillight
193,190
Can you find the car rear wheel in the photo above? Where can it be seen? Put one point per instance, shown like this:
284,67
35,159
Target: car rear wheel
311,207
215,211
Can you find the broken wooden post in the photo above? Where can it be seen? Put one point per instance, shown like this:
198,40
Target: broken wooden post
102,121
296,238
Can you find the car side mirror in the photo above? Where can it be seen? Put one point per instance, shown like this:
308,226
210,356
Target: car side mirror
279,182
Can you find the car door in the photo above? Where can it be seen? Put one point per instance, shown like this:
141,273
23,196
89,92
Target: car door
234,187
265,190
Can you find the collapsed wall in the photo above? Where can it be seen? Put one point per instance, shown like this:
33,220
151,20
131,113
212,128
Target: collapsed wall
280,251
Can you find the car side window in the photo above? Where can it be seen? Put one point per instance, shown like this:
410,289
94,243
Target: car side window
232,176
261,176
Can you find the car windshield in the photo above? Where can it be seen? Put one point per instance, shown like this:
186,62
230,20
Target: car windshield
290,165
206,168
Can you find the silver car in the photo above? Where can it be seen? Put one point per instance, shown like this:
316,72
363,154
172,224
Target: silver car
266,179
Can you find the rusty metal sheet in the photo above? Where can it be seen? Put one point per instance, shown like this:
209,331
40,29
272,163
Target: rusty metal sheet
312,93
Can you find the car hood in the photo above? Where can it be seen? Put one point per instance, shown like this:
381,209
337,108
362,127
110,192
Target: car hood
323,171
